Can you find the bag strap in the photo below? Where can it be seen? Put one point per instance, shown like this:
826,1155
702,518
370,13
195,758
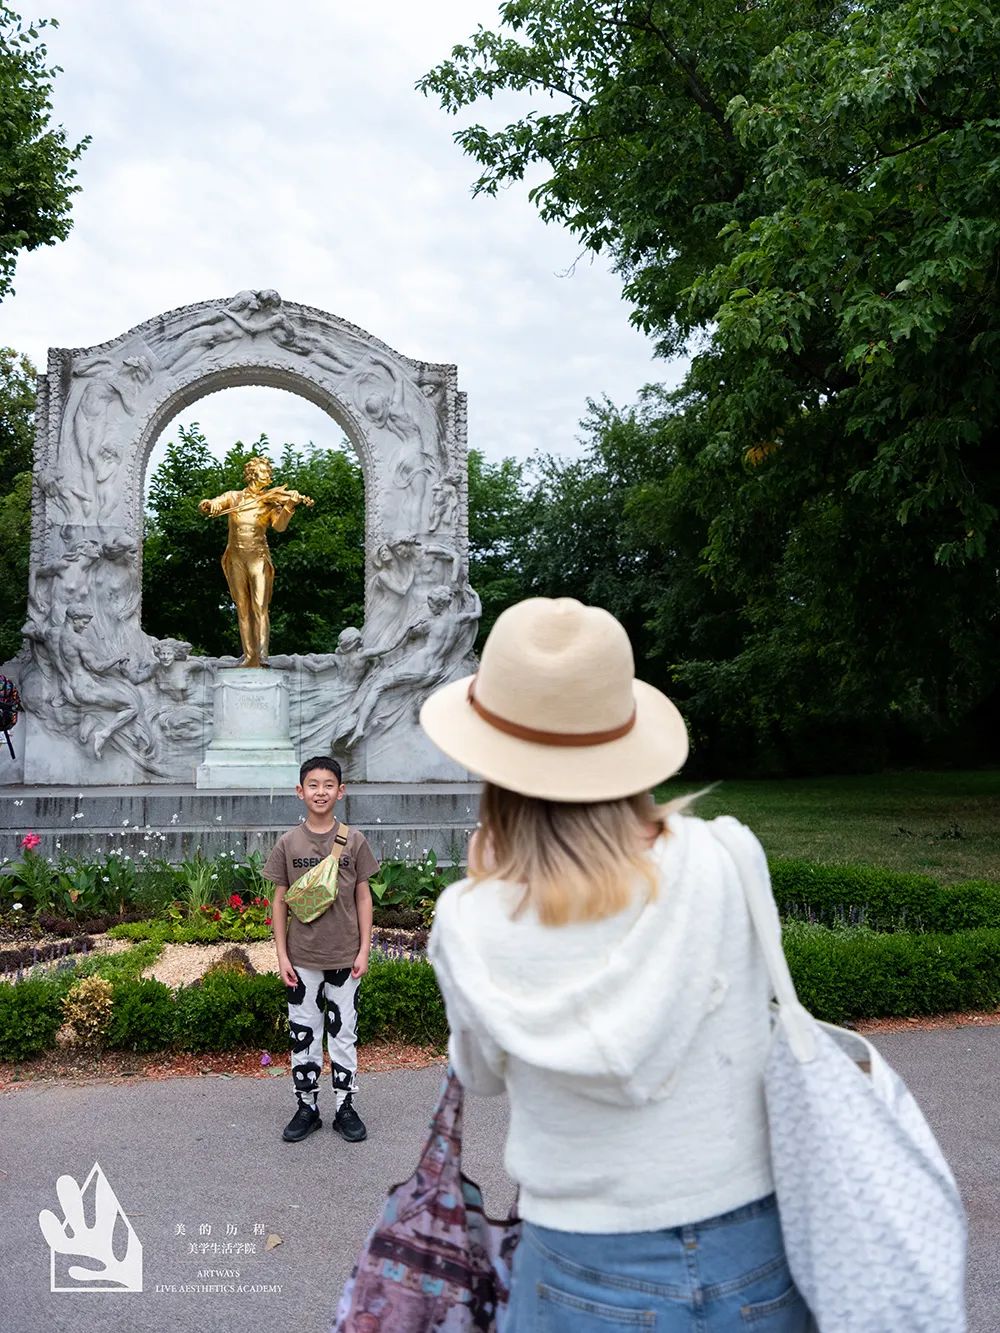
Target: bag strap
755,881
332,857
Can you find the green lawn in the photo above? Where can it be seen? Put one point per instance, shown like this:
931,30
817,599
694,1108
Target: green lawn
946,825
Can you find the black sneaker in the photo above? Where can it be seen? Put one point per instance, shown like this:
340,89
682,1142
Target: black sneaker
348,1123
303,1122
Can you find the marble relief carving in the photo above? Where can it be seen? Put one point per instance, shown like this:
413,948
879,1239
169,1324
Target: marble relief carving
107,702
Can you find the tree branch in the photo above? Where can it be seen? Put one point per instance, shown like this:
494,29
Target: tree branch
898,152
698,91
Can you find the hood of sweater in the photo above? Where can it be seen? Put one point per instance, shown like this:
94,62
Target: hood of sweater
610,1006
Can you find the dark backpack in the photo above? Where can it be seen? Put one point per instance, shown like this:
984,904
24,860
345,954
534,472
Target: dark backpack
10,707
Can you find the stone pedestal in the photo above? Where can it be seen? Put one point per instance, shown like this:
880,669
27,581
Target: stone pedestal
251,745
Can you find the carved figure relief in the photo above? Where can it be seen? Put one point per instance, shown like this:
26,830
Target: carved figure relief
444,504
436,645
328,689
91,449
216,331
117,595
106,703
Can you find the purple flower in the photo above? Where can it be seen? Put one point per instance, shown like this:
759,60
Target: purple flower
265,1060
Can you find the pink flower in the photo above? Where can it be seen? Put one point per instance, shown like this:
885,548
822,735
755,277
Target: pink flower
30,841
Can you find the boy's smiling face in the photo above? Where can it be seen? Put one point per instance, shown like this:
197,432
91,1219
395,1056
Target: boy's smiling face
321,790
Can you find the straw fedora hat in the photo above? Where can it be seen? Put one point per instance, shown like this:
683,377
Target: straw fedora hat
555,710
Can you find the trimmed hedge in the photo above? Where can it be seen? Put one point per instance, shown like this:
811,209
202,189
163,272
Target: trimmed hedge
401,1000
221,1012
30,1017
142,1016
844,974
885,900
228,1010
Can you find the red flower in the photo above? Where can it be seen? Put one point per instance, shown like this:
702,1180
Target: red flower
256,902
235,900
217,915
267,903
267,921
30,841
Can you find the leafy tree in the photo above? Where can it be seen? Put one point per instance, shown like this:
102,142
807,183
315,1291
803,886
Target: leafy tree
581,542
17,415
36,162
498,530
17,409
804,195
15,543
322,553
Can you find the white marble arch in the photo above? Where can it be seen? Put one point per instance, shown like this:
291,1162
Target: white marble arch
106,703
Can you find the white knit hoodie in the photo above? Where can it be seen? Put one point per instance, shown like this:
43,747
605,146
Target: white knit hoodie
631,1049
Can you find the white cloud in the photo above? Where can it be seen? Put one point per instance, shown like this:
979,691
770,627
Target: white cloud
238,145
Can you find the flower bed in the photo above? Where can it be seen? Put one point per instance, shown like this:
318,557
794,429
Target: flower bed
861,943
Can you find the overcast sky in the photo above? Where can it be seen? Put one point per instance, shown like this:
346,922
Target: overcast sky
242,144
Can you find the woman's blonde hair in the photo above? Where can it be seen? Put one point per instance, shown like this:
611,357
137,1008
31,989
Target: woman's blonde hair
576,862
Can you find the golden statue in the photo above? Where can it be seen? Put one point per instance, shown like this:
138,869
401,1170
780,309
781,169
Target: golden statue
246,561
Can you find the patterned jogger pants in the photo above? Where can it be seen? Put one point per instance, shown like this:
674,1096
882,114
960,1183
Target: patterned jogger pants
324,998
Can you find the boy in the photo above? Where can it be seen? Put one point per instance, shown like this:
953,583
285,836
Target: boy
322,962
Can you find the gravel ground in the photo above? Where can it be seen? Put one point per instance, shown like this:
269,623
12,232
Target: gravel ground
180,963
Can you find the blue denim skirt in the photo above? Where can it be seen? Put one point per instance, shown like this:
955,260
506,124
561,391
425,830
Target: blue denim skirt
722,1275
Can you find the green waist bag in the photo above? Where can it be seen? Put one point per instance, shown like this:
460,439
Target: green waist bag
313,892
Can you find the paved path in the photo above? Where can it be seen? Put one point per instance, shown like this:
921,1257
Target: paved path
206,1152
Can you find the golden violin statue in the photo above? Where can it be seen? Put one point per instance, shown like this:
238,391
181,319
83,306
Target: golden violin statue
246,560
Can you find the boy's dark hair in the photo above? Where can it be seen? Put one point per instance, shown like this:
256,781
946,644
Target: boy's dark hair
320,761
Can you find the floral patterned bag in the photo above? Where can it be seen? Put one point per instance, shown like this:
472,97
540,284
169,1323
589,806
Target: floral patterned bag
434,1262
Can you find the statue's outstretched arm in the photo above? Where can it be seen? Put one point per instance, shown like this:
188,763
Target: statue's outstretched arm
220,502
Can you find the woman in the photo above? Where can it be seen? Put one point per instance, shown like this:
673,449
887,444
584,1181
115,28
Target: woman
599,967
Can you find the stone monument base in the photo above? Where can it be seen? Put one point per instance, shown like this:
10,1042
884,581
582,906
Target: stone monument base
400,820
251,743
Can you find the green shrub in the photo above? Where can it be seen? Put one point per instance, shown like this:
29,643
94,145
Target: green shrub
142,1016
844,974
401,1000
30,1016
885,900
142,930
227,1010
197,932
86,1008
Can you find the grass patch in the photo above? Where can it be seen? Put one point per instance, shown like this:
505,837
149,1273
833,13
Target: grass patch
945,825
127,965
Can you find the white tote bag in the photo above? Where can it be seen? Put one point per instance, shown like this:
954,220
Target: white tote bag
872,1219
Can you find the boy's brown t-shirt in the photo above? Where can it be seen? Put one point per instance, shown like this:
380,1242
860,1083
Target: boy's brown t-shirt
334,938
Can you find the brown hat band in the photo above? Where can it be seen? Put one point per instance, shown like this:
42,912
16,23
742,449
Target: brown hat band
548,737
